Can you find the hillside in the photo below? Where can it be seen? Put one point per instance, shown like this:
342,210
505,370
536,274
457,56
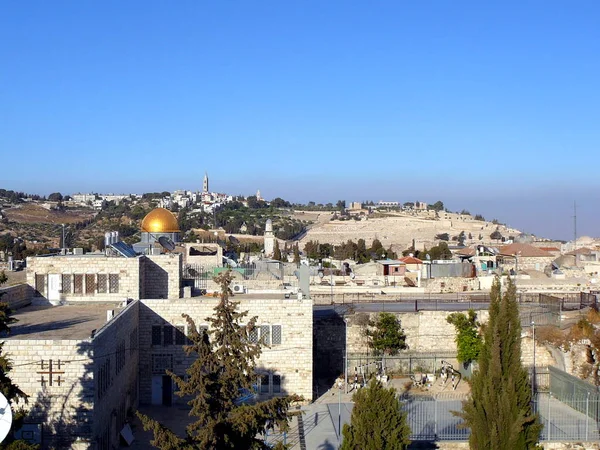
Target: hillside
398,229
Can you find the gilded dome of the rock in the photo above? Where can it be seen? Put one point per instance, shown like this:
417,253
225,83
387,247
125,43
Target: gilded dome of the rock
160,220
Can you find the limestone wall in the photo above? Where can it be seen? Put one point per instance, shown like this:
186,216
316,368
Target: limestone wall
291,360
83,288
161,276
17,296
65,406
116,362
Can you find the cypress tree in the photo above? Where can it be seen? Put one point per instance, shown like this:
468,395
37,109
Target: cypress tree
225,364
377,421
296,254
499,411
277,251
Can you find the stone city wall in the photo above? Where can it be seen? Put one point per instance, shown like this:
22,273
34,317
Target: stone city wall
292,359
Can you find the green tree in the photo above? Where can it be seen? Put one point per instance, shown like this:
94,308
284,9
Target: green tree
296,254
437,206
443,236
225,364
277,251
496,235
499,412
377,421
387,337
461,238
55,197
468,341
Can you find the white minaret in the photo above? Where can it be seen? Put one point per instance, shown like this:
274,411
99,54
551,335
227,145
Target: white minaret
269,239
205,183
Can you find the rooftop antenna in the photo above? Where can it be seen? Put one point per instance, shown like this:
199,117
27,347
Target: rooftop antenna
166,243
575,230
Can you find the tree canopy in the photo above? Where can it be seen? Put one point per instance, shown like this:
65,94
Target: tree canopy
386,334
377,421
499,411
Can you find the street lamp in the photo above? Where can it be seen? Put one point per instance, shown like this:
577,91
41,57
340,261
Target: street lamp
346,356
533,380
62,244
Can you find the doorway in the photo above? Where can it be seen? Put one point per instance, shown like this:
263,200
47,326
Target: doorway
54,286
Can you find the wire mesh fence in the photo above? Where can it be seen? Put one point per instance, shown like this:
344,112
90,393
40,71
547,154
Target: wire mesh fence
434,418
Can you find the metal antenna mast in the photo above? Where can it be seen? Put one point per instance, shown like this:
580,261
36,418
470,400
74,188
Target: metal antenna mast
575,229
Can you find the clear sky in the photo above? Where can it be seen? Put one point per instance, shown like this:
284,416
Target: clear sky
494,108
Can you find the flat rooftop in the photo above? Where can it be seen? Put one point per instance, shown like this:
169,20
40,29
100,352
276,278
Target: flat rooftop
59,322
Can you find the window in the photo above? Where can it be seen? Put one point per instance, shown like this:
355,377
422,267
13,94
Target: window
253,335
78,283
180,337
102,282
104,380
167,335
156,335
120,357
133,341
90,284
113,283
276,384
263,381
40,285
66,283
265,334
162,363
275,334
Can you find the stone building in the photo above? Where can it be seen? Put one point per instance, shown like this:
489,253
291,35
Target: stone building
96,334
269,239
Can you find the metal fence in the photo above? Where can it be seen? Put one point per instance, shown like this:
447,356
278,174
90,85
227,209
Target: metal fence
567,421
405,363
434,418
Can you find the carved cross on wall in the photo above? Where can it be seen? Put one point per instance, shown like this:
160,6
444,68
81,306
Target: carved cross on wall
51,372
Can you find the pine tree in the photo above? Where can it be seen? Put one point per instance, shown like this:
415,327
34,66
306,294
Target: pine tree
499,412
377,422
225,364
276,251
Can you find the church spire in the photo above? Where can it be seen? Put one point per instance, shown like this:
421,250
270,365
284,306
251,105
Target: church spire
205,183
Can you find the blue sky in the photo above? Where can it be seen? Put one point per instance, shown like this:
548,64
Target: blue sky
492,108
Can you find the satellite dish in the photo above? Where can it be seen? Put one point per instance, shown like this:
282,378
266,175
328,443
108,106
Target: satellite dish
167,243
428,256
5,417
352,276
233,240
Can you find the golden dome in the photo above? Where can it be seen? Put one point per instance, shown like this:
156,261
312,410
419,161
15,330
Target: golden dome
160,220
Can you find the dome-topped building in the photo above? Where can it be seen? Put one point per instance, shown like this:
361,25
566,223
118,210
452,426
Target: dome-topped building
159,222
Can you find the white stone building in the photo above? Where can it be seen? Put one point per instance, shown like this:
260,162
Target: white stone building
98,332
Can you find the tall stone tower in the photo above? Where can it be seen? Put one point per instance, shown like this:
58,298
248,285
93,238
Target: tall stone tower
269,239
205,183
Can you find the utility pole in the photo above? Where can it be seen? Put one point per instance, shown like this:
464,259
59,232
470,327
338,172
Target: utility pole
575,230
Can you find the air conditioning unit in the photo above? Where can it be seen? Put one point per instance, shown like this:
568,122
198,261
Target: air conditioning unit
239,288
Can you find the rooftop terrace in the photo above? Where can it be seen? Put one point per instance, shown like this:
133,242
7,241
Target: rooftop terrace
59,322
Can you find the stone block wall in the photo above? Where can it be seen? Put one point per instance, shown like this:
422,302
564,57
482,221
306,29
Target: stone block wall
127,270
115,354
161,275
17,296
291,360
64,407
